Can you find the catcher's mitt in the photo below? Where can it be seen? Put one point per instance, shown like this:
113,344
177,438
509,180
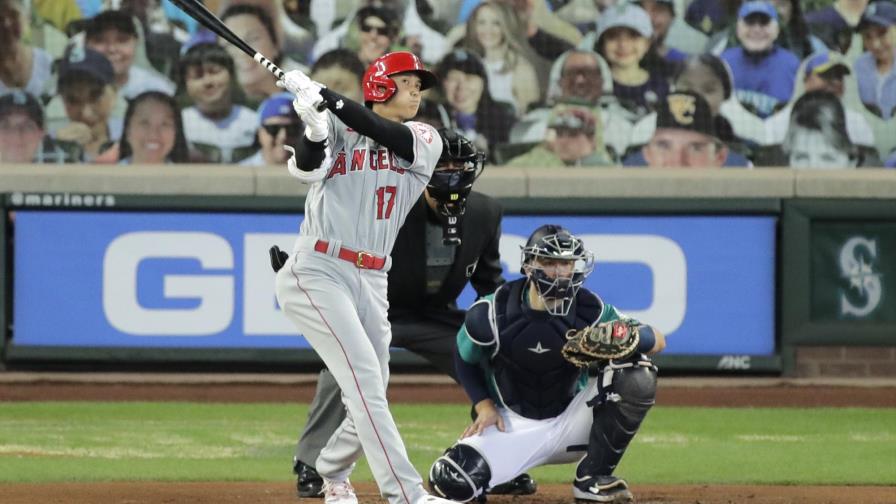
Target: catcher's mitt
601,342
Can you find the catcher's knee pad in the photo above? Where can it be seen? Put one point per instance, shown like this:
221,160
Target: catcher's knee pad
617,420
636,388
461,474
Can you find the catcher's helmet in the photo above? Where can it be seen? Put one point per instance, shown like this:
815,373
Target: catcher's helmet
458,167
377,84
553,242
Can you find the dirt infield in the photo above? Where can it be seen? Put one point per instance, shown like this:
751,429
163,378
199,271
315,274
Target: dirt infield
704,392
709,393
284,493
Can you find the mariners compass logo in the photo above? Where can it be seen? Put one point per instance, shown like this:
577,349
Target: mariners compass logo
863,292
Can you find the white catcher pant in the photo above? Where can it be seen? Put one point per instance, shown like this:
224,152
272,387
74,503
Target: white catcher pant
342,311
528,443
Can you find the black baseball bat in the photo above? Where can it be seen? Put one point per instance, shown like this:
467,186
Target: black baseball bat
196,10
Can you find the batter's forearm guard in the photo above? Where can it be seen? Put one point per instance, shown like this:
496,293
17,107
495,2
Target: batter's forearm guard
309,154
393,135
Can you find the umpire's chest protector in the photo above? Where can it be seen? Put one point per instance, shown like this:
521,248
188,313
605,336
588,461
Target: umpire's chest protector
530,372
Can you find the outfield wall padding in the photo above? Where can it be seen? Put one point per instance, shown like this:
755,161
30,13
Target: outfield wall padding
795,198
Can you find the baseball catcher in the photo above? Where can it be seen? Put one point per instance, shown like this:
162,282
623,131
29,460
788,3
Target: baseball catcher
544,359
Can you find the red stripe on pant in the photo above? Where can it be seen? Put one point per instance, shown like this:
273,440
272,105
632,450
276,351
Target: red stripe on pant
357,385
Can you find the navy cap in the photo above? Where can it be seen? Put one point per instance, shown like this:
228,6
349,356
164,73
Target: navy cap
757,7
824,62
685,110
18,100
879,13
87,61
110,20
463,60
277,105
201,36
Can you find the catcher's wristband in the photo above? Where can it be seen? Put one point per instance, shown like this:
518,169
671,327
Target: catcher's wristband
648,339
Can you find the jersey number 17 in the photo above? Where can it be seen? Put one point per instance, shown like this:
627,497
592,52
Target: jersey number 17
385,201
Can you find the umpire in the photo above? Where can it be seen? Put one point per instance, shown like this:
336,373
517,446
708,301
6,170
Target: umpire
438,250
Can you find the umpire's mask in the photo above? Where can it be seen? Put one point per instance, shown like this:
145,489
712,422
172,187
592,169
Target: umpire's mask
458,167
556,263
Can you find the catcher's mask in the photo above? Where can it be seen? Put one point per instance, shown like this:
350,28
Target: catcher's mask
458,167
556,263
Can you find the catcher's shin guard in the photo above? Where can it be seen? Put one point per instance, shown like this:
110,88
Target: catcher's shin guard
461,474
616,420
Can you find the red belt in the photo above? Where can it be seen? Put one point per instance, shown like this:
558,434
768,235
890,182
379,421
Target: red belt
362,260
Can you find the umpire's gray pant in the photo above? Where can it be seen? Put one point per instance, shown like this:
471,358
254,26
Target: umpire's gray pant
432,340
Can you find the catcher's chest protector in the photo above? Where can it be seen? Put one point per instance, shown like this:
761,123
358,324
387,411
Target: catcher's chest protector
531,374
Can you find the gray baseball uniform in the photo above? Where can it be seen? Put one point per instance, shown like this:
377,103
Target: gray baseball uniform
333,287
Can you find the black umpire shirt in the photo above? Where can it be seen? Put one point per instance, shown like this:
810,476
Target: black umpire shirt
476,259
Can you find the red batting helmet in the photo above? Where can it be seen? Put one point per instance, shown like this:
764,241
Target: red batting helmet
379,87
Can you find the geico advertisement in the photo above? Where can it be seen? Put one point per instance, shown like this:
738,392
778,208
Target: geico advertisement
129,279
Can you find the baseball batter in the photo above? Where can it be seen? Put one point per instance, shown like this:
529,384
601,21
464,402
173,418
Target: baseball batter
367,166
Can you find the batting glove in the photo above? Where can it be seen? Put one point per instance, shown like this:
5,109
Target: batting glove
316,128
299,84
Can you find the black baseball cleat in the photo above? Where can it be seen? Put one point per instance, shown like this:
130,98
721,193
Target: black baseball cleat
308,482
602,489
521,485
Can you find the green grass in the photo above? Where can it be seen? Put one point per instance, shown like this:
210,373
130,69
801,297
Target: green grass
79,441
